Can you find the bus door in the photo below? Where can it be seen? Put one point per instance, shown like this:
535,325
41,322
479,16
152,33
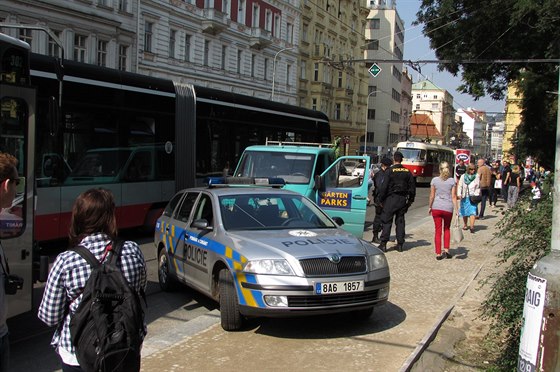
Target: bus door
17,124
340,195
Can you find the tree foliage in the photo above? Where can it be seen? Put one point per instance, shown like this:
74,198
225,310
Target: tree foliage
526,238
461,30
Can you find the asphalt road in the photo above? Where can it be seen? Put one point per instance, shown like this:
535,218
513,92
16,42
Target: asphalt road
166,312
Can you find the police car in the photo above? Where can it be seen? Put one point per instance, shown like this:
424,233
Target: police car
264,251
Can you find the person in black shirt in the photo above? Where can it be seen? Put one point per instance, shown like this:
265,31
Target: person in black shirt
460,169
396,195
378,181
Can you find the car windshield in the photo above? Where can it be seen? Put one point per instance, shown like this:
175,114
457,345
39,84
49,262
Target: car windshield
271,211
294,168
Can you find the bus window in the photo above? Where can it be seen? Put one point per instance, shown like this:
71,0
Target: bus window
13,122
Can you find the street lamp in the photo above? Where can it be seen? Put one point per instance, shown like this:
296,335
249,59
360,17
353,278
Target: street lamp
274,70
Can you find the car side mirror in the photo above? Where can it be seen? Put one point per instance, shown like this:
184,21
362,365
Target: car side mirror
320,183
201,224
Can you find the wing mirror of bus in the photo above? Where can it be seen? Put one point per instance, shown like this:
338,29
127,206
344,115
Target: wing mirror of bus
53,115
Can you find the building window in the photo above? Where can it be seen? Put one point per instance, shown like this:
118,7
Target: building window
435,96
103,2
435,106
255,16
26,35
206,56
253,62
123,51
239,55
373,24
102,53
337,111
397,74
290,33
265,74
276,31
372,90
418,96
417,106
288,74
304,32
314,104
268,20
395,117
226,7
123,5
54,48
316,72
241,12
372,44
148,34
340,79
303,70
396,95
172,43
188,40
80,48
224,55
371,114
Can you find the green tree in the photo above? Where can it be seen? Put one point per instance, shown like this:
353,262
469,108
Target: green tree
461,30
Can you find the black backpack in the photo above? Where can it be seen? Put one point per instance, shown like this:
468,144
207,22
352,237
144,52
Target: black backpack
107,327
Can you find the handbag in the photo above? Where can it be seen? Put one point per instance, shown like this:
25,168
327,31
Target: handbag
474,199
498,184
457,232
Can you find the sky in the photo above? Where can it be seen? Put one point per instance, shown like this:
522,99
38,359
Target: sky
417,47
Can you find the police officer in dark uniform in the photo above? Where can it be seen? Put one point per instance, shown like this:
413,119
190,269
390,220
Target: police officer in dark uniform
378,180
396,194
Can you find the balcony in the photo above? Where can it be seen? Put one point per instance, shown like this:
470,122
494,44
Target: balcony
260,38
214,21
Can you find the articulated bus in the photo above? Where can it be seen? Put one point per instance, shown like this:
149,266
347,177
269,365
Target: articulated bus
423,159
141,137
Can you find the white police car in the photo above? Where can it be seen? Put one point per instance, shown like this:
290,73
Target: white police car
264,251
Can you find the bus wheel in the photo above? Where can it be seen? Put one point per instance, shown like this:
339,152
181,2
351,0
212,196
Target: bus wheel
231,318
166,281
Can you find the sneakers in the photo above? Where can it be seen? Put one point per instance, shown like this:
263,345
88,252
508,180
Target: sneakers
439,257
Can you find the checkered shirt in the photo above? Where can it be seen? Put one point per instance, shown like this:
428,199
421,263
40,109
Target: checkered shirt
67,280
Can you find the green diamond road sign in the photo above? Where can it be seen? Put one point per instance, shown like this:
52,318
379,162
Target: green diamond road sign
374,70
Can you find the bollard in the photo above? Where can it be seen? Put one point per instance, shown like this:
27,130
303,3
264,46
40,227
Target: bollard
539,348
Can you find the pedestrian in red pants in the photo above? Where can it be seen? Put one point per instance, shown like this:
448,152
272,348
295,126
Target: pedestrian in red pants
443,199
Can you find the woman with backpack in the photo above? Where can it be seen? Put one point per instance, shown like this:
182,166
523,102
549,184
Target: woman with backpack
93,226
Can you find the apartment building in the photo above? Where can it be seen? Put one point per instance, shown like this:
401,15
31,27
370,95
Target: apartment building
331,37
475,125
512,121
428,98
242,46
384,41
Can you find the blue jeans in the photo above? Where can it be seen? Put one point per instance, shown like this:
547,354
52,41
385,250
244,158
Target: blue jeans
4,353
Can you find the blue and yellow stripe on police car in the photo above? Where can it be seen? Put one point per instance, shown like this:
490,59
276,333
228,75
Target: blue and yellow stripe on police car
247,297
168,237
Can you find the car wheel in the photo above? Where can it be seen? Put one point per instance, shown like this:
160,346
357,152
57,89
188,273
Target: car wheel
362,314
166,282
231,318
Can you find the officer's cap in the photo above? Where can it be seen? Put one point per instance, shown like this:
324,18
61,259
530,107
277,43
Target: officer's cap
386,161
398,156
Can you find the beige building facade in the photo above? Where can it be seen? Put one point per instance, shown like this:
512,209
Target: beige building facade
512,120
428,98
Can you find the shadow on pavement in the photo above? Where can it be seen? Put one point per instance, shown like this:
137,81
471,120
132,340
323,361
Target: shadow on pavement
384,317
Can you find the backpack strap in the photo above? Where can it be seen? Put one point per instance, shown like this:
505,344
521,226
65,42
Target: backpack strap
86,255
115,248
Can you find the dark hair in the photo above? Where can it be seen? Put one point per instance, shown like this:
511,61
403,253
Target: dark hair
398,156
93,212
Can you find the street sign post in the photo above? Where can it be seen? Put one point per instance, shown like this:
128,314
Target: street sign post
374,70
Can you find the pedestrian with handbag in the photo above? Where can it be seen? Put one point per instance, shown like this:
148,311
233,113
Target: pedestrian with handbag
443,200
514,186
468,191
485,176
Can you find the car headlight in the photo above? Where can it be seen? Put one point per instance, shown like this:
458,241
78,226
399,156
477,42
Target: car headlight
377,261
272,267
